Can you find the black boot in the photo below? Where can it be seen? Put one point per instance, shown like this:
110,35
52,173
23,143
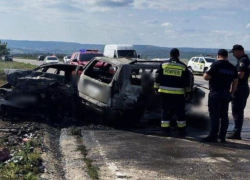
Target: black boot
166,131
235,136
210,139
182,132
222,138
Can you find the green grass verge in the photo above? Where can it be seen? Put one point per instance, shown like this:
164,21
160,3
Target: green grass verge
26,168
12,65
91,170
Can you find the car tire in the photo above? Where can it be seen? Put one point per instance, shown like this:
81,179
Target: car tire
205,69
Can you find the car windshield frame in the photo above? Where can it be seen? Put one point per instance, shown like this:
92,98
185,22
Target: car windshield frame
87,57
126,53
210,60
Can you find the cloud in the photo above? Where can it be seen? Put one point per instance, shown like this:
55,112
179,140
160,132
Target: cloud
248,25
209,17
150,22
64,7
166,24
179,5
111,3
219,32
169,32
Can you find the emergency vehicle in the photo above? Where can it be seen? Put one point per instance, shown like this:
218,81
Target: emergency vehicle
200,64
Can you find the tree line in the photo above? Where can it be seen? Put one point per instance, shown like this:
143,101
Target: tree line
4,48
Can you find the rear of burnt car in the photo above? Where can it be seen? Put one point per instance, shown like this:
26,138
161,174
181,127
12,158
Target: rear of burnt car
39,92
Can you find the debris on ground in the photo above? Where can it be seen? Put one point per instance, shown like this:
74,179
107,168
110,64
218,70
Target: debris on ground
20,150
4,154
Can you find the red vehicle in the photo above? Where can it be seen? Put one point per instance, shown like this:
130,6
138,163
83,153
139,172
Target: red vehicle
83,57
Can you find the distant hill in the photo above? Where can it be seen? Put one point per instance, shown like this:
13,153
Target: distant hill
146,51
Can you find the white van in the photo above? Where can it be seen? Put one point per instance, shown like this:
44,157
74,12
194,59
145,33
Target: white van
120,51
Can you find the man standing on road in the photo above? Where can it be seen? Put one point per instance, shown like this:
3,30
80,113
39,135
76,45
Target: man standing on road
223,80
242,92
172,82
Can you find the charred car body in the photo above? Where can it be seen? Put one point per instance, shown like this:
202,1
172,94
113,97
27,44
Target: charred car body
122,90
45,91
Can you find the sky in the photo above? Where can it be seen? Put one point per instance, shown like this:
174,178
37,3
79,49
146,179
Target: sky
167,23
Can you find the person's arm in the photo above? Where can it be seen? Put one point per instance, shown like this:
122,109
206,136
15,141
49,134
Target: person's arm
158,76
210,72
241,74
235,81
234,86
243,66
187,81
206,76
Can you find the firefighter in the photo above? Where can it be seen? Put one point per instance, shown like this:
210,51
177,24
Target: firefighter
242,92
172,83
223,80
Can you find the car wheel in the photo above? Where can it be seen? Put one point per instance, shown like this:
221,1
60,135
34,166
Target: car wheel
205,69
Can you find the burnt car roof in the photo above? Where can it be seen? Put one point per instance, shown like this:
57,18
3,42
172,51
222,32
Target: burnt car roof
58,66
124,61
116,61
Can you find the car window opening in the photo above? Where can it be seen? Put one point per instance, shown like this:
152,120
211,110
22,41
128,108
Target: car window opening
139,76
102,71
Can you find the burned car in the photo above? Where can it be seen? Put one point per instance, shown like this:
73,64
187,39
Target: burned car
122,90
46,91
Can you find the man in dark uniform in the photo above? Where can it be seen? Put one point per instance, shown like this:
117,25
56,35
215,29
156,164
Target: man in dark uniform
223,80
172,82
242,92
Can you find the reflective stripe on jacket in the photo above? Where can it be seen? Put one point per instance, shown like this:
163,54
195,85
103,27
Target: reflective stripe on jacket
172,77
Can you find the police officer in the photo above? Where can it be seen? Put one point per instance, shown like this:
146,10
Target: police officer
223,80
172,82
242,92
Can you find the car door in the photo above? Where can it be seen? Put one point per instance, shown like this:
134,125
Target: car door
195,64
96,82
201,64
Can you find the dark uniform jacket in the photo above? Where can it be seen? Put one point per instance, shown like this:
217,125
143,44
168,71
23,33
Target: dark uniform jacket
172,77
222,74
243,66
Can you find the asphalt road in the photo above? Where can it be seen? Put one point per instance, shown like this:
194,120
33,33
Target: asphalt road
147,154
29,61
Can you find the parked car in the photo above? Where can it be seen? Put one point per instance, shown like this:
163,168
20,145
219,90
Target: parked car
40,58
8,58
82,57
66,59
122,89
200,64
51,59
120,51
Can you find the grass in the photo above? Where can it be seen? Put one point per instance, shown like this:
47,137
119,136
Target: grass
91,170
12,65
3,140
26,168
